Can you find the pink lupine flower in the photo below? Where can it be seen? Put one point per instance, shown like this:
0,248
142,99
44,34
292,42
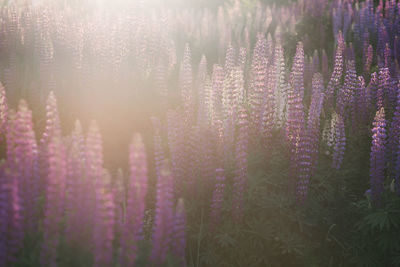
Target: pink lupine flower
26,157
3,111
75,186
103,229
55,197
52,129
297,74
377,158
100,200
258,82
11,228
163,221
135,204
178,244
334,81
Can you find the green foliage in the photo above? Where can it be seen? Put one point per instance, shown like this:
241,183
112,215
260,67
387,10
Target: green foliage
375,236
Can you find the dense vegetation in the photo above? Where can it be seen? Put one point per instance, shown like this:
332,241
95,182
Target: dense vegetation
211,134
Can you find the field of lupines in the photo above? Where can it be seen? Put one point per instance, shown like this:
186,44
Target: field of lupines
153,133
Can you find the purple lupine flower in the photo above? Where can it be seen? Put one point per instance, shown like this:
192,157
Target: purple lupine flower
238,90
132,231
229,59
186,81
75,186
258,81
163,221
11,230
240,177
377,157
188,102
94,153
10,203
52,129
101,199
280,87
340,141
55,197
178,244
383,87
307,149
233,93
25,158
345,96
209,110
295,121
201,79
217,199
232,96
104,215
337,71
93,159
294,130
3,111
297,74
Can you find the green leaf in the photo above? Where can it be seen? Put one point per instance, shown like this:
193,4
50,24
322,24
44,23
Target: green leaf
226,241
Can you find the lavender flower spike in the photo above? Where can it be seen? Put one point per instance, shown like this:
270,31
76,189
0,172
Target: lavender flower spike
377,156
135,206
179,239
163,222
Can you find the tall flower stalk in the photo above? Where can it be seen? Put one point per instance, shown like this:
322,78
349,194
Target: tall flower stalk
132,227
55,197
163,221
377,156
